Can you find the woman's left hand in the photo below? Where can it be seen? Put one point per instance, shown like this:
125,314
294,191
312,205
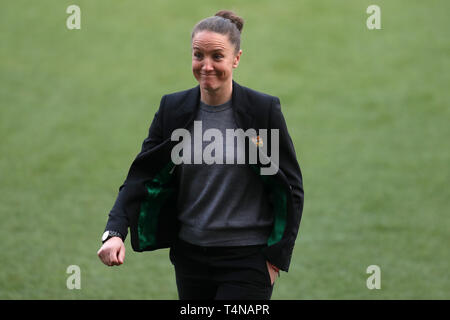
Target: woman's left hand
272,272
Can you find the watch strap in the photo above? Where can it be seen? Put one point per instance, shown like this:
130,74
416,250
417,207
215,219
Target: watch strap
111,234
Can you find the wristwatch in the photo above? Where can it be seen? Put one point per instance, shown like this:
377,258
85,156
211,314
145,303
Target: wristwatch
108,234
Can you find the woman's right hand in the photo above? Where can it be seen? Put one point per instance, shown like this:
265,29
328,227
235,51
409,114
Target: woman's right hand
112,252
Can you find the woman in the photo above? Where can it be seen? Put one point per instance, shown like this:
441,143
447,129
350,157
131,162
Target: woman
230,228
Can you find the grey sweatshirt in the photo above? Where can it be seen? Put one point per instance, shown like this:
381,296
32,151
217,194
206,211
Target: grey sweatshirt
221,204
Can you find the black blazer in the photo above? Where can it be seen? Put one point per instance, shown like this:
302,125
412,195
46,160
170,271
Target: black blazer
147,198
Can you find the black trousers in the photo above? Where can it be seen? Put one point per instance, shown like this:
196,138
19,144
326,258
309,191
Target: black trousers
220,273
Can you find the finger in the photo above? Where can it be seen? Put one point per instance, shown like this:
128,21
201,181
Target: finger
121,256
113,258
102,256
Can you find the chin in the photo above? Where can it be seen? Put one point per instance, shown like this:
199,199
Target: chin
209,85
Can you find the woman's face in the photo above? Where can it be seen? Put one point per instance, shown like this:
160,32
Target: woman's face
213,59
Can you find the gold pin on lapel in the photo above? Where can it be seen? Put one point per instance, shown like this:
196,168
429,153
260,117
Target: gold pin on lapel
258,141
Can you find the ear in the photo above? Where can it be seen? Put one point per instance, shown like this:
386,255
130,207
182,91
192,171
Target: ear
236,59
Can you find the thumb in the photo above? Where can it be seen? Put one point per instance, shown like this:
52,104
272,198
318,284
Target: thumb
121,254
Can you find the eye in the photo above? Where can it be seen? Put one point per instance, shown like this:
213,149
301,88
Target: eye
198,55
218,56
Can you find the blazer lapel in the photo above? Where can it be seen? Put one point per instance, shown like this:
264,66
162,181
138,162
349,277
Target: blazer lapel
241,108
185,115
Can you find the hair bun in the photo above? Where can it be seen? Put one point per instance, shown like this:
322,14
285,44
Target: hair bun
230,15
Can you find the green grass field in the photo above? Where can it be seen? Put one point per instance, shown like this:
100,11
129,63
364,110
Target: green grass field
368,111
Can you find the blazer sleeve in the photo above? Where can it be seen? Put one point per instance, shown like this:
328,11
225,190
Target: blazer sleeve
117,218
290,167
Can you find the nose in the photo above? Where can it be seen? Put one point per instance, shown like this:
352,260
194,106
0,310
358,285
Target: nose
207,66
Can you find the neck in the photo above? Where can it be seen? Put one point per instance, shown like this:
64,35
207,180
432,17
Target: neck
218,96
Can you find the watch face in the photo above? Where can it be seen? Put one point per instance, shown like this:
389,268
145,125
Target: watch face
105,235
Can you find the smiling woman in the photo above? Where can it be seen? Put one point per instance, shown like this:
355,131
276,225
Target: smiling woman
229,228
215,53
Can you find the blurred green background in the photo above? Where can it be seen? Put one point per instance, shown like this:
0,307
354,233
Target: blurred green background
368,111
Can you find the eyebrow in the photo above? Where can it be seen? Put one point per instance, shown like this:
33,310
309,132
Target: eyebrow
214,50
